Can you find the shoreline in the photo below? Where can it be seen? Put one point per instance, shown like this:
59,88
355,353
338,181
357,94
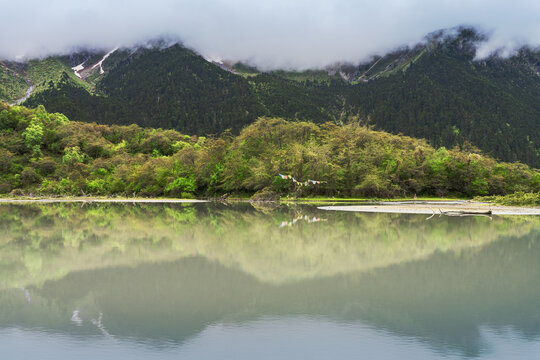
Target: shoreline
97,200
314,201
469,208
400,206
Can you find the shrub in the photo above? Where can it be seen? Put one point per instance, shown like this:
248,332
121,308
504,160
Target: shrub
181,186
29,176
33,137
72,155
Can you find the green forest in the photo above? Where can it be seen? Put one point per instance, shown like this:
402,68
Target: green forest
436,91
46,154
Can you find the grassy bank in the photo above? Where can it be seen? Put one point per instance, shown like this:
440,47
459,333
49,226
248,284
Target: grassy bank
515,199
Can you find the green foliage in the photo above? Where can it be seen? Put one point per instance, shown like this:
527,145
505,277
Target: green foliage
6,160
49,72
97,186
519,198
435,91
184,186
215,176
60,119
350,160
11,117
72,155
33,137
375,185
29,176
13,86
480,186
281,186
59,187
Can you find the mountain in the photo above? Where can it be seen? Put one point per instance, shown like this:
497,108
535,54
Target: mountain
443,94
170,88
436,90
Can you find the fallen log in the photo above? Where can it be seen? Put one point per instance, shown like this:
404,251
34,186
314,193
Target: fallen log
465,212
486,213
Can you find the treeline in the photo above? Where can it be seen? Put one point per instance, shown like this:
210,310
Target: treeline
44,153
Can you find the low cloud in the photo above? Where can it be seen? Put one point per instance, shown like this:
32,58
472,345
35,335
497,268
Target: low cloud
271,34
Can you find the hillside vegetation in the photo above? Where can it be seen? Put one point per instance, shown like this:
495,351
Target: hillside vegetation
12,85
45,153
435,90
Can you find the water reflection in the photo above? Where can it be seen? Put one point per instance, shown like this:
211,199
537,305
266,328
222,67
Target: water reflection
164,274
301,218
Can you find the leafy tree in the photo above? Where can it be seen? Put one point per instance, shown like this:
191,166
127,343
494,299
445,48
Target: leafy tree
33,137
72,155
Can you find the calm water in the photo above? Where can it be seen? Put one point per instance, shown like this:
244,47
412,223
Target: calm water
237,281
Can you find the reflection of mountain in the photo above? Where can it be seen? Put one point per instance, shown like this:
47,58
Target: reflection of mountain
442,300
166,272
46,242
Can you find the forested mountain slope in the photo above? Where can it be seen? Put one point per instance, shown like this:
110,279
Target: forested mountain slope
447,97
436,90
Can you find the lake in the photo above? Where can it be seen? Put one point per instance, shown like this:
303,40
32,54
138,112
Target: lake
264,281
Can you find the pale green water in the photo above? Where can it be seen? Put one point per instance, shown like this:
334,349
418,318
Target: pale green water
213,281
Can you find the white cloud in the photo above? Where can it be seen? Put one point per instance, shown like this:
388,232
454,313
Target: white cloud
268,33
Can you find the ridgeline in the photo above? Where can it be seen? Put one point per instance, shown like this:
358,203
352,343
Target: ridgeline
436,90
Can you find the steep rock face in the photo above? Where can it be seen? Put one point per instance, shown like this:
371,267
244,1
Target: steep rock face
437,90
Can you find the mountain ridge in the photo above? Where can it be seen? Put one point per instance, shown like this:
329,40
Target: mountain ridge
437,90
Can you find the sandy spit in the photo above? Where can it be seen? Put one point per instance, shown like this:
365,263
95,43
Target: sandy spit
430,208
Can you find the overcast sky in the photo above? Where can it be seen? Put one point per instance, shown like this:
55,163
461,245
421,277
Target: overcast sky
268,33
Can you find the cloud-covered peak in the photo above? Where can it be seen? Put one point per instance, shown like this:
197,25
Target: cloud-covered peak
271,34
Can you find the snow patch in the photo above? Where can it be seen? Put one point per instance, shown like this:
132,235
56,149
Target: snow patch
78,68
100,63
215,60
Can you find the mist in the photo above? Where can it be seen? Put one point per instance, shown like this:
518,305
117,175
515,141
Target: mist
269,34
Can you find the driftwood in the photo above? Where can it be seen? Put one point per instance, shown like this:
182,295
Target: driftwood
224,199
487,213
465,212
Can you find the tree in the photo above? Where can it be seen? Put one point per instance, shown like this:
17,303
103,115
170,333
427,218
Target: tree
33,137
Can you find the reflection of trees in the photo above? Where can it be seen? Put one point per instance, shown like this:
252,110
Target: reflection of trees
442,300
447,297
43,242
